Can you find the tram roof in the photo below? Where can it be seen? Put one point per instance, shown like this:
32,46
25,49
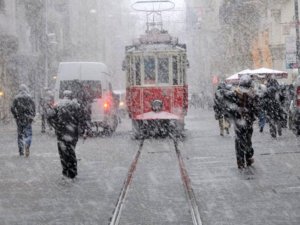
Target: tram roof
156,40
155,48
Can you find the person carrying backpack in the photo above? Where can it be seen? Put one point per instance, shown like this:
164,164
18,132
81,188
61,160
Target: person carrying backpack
243,109
66,118
220,109
23,110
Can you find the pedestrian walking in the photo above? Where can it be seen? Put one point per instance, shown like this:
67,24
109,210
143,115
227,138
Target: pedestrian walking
23,110
46,104
66,118
243,109
274,112
220,109
261,92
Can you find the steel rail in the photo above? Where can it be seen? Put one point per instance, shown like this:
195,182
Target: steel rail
190,195
115,219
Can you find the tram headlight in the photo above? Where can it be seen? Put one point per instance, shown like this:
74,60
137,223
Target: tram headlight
157,106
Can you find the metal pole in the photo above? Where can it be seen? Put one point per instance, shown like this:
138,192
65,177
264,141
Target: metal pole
297,35
46,43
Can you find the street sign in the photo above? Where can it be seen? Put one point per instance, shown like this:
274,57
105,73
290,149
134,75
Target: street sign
290,52
291,60
290,44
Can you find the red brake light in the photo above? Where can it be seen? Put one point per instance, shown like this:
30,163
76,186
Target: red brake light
106,105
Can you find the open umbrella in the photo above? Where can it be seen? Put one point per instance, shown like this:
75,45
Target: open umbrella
235,78
263,73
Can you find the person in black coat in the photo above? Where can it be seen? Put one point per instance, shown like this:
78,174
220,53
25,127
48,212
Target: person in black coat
23,110
46,103
243,107
219,108
273,108
66,118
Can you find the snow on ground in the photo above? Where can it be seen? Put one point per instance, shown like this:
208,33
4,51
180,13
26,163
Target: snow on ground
32,191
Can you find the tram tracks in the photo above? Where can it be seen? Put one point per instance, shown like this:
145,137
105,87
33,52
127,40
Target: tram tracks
190,196
115,219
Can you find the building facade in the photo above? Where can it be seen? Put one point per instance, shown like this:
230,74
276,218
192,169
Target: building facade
9,45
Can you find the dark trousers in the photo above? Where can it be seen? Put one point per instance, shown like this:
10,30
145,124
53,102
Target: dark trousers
44,121
273,124
66,150
24,136
243,143
262,119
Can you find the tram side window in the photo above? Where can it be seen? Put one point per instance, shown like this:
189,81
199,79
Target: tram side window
179,68
184,69
149,63
131,72
137,71
175,70
163,70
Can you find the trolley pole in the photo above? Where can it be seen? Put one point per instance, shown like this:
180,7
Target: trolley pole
297,35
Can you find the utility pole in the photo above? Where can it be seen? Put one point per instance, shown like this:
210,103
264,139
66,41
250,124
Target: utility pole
297,36
46,43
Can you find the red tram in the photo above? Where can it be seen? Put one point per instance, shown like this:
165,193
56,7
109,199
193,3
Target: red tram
156,89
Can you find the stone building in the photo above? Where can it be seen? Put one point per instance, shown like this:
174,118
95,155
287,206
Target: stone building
8,51
280,25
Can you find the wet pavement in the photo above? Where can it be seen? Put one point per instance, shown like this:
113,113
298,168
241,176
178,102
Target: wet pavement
33,192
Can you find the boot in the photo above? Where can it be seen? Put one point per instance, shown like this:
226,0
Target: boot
250,161
279,132
21,152
240,164
222,132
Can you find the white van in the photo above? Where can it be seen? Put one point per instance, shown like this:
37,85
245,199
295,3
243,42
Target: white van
90,83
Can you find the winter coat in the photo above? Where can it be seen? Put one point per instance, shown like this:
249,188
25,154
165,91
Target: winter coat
271,102
23,108
66,118
243,105
219,104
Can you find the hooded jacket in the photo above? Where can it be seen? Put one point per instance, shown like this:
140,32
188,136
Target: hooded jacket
66,117
23,106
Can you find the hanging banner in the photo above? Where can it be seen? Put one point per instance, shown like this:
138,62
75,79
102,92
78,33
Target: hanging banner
290,52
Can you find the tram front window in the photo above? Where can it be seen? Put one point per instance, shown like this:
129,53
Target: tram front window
149,70
163,70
